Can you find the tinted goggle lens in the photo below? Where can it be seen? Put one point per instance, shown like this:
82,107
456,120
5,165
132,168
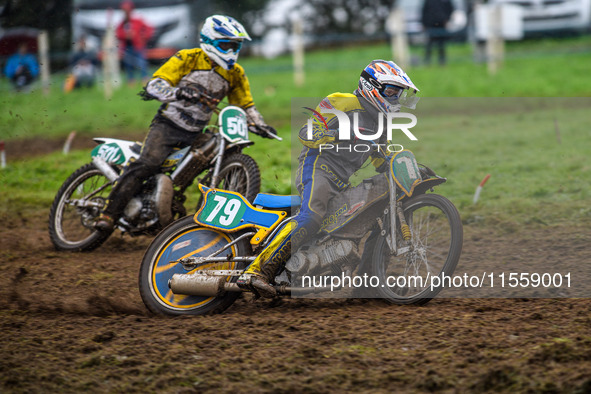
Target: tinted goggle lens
227,45
391,91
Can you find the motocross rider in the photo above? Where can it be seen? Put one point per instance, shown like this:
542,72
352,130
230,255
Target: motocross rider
179,84
323,173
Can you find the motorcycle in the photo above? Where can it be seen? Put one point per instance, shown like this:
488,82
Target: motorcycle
219,161
387,227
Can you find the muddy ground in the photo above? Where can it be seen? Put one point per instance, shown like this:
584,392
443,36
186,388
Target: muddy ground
75,322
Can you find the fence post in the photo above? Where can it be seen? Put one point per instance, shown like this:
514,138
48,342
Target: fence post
396,27
110,58
298,53
43,45
495,44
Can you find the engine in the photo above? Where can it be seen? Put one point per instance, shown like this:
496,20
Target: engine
329,256
153,204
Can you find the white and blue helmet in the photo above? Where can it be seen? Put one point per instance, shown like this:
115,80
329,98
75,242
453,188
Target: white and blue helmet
221,39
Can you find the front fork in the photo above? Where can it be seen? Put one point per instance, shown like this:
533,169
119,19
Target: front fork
218,164
395,213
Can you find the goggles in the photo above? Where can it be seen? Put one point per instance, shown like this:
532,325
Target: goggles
223,45
391,91
226,46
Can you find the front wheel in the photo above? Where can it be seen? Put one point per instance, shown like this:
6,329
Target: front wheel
435,249
75,207
182,239
240,173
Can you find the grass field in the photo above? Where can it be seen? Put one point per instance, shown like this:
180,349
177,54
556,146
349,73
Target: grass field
536,178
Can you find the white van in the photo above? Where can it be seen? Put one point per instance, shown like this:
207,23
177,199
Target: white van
171,20
547,16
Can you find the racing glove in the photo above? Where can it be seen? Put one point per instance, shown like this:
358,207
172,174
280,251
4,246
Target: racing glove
257,124
187,93
381,164
264,131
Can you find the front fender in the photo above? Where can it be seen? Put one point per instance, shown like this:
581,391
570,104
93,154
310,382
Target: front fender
422,187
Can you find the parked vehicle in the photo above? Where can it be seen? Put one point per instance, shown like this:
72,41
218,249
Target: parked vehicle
551,16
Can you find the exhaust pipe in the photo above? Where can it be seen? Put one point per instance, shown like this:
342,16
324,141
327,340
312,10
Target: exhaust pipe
105,168
216,286
201,285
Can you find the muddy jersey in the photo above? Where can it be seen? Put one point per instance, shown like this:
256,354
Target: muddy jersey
339,159
192,67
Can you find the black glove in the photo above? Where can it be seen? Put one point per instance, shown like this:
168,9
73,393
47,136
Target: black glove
188,93
264,131
385,165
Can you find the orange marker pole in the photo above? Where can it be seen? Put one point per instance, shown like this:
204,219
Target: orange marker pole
479,189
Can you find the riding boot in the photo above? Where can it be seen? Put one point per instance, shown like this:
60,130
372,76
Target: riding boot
260,273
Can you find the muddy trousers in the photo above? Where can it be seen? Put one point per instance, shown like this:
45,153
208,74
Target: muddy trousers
161,140
316,190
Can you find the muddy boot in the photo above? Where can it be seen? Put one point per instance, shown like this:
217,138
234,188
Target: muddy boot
259,285
263,287
104,223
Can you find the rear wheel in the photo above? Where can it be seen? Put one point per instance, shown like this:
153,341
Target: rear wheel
435,249
75,207
182,239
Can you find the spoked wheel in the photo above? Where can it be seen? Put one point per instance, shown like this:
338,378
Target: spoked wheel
77,204
240,173
434,250
182,239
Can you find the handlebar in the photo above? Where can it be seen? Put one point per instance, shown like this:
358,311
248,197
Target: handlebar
262,132
212,103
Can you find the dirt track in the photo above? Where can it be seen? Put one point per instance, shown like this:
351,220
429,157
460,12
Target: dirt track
74,322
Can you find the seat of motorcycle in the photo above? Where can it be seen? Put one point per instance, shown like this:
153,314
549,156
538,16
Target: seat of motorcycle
266,200
136,147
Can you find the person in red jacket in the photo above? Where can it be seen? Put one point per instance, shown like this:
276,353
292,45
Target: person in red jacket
133,35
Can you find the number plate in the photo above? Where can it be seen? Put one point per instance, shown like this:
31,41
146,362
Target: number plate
111,153
233,125
230,211
405,171
223,210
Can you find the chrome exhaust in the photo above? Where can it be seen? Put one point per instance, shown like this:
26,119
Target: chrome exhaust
201,285
105,168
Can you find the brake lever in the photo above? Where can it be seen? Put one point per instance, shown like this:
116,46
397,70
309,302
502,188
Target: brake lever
275,137
255,130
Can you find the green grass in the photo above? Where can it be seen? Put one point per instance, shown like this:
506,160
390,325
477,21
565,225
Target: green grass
549,68
535,150
534,179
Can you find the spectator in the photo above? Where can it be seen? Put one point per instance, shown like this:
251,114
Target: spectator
434,17
22,67
133,35
84,65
